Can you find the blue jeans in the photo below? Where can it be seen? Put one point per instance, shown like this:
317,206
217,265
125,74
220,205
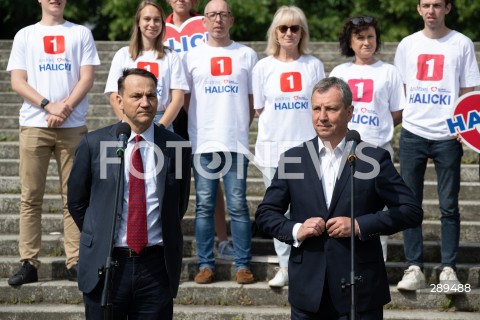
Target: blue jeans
446,154
232,167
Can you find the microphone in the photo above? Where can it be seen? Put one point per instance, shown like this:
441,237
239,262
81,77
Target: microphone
123,133
354,137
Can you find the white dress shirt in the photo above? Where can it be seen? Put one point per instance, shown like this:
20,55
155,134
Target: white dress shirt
330,161
154,223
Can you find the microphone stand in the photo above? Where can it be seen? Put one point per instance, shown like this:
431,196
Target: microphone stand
353,278
107,271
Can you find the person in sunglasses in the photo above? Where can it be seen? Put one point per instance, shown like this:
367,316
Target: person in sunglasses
282,87
377,87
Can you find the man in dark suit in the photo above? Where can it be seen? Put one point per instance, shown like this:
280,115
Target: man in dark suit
147,276
314,180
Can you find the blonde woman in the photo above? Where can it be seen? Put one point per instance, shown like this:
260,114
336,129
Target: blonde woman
282,89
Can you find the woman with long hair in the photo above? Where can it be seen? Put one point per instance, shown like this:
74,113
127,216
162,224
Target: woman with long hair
147,51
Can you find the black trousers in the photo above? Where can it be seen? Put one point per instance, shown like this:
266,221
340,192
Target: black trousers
328,312
140,289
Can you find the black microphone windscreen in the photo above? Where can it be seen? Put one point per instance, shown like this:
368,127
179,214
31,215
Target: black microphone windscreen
353,135
123,128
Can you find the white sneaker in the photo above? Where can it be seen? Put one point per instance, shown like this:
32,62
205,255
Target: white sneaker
449,281
413,279
280,279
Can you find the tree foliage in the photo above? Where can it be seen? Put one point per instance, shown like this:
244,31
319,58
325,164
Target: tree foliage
113,19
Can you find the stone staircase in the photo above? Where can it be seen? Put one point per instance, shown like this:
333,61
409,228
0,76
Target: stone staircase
55,297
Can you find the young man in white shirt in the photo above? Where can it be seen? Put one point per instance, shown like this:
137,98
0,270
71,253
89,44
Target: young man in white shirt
437,65
52,66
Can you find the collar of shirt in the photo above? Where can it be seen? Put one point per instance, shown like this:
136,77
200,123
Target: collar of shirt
147,135
337,152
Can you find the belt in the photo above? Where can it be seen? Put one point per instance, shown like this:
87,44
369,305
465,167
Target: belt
121,252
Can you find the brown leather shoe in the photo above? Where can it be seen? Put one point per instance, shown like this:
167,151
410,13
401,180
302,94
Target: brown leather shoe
205,276
245,276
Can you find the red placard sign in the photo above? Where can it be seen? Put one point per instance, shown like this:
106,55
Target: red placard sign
465,120
190,34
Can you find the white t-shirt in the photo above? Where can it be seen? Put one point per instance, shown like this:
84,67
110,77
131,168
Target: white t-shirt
284,91
220,80
434,70
168,70
52,57
377,91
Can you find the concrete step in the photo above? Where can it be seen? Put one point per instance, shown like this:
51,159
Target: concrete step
231,294
185,312
263,267
52,246
9,145
52,204
255,187
9,167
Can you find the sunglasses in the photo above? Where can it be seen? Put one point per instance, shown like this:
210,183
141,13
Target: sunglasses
293,29
358,20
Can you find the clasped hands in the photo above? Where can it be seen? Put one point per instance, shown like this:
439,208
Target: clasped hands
338,227
58,112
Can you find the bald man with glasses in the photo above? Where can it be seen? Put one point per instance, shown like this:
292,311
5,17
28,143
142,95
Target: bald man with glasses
220,110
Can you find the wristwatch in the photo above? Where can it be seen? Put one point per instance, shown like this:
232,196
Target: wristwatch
44,103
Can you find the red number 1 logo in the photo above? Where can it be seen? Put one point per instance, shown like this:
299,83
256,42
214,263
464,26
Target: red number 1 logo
291,82
54,44
430,67
362,89
221,66
149,66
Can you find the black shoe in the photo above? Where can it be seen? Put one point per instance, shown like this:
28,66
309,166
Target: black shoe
26,274
72,273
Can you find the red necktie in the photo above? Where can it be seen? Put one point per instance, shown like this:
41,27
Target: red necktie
137,236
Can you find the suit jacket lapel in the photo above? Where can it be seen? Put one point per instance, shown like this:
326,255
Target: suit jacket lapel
313,167
112,172
160,142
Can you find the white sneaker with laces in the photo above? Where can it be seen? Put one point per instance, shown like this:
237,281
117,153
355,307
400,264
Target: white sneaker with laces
449,281
413,279
280,279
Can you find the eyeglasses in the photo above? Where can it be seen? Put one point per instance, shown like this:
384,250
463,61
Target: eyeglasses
212,16
293,29
358,20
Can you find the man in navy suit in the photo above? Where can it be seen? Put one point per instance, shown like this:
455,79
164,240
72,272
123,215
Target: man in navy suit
314,180
146,280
